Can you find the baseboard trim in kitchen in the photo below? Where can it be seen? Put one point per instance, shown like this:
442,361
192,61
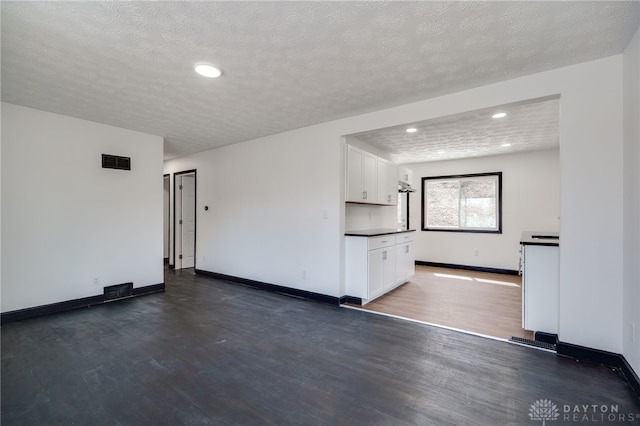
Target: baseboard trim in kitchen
468,268
351,299
597,356
274,288
67,305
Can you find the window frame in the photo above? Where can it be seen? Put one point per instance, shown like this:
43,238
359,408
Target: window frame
498,229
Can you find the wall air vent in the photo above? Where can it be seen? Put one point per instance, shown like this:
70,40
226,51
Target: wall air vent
116,162
118,291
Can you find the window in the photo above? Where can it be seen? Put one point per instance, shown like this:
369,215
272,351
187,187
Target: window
465,203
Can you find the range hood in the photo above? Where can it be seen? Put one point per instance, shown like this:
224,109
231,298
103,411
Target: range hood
404,187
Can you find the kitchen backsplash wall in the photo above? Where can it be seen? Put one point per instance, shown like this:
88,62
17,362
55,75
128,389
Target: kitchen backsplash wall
363,216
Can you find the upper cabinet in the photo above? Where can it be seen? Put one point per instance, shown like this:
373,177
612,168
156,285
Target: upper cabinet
362,176
387,182
405,175
370,179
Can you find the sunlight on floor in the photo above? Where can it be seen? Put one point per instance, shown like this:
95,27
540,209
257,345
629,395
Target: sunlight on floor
480,280
457,277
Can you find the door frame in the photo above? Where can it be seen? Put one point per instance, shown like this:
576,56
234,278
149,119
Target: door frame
166,214
195,213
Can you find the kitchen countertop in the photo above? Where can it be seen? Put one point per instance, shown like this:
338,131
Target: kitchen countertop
376,232
537,238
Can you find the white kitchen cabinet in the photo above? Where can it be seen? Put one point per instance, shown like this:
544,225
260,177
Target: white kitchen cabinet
392,182
362,176
405,175
387,183
405,257
540,287
377,264
382,269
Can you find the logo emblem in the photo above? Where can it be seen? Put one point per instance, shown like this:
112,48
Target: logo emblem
543,409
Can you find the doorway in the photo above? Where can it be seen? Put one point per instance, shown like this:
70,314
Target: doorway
166,212
184,219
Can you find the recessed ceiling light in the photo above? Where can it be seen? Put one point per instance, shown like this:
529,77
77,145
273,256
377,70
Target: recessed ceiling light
499,115
412,130
440,152
504,145
207,70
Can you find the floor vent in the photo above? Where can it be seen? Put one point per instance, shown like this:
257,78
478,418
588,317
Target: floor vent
118,291
535,343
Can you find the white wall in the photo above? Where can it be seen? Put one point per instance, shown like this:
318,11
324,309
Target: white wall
631,259
274,209
363,216
270,195
591,207
65,220
530,202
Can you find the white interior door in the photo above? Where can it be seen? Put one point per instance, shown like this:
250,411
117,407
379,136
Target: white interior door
187,221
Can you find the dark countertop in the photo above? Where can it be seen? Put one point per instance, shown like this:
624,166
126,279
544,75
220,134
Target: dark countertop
376,232
534,238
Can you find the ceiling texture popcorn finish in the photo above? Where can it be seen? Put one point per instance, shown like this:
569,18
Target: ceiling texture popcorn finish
528,126
286,64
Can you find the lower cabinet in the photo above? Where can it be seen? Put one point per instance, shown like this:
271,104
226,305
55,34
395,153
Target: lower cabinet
540,284
382,270
376,265
405,261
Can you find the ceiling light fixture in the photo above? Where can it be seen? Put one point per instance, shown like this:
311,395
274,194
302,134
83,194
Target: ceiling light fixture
440,152
499,115
207,70
505,145
412,130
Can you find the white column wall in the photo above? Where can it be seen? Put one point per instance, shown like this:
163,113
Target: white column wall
631,258
591,207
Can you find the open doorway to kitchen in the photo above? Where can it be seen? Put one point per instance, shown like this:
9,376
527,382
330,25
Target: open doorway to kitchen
468,281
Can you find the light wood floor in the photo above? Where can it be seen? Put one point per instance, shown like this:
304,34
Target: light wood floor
485,303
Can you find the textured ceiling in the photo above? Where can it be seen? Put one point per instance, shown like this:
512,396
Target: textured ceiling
286,64
528,126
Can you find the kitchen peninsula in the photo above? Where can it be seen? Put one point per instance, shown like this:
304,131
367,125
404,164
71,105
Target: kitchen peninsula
377,261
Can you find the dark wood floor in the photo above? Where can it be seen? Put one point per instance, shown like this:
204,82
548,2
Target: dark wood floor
479,302
209,352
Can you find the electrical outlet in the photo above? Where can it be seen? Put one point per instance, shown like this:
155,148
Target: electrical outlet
96,281
303,275
476,253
